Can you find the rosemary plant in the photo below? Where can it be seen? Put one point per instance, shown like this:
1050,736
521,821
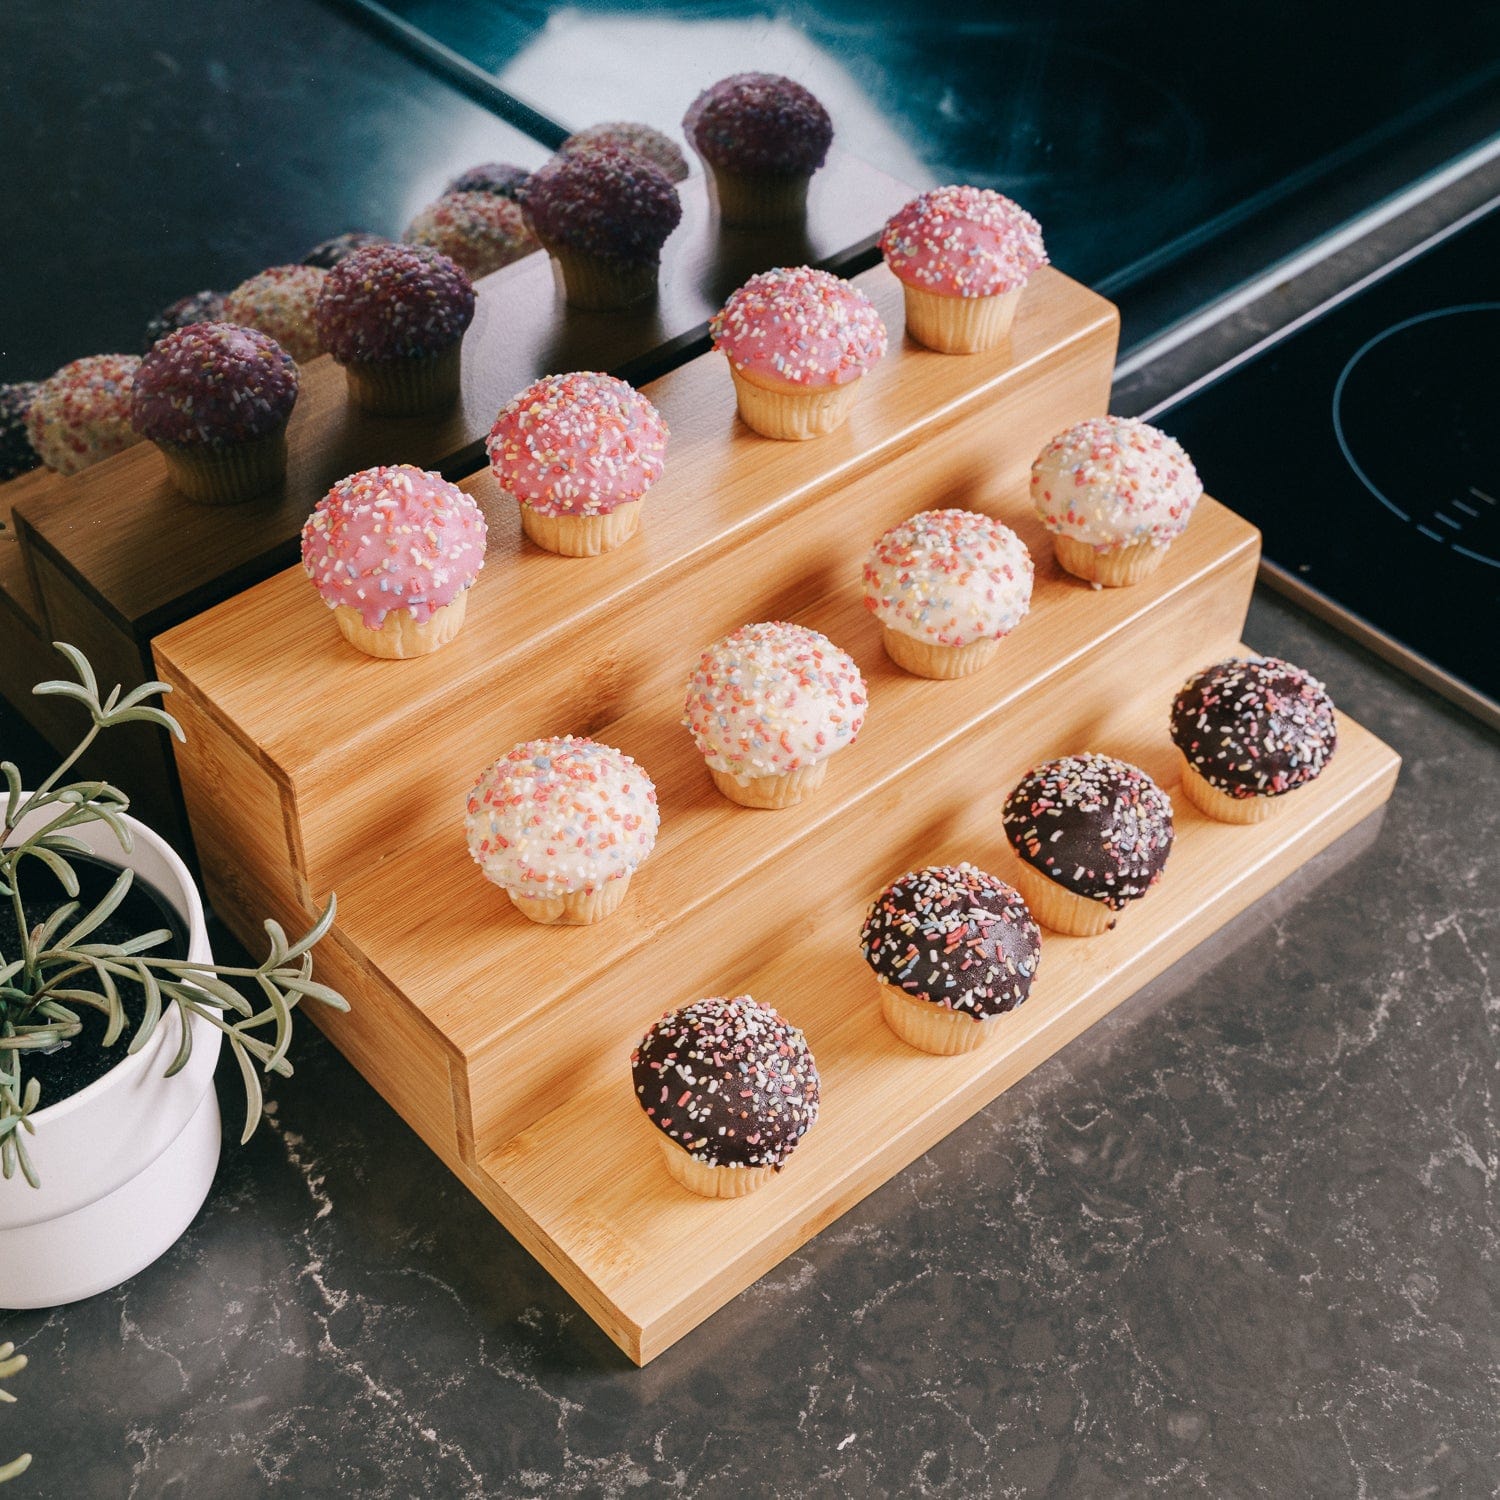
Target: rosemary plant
11,1363
53,969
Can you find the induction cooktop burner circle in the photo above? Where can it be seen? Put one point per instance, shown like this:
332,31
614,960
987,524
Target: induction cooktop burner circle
1416,411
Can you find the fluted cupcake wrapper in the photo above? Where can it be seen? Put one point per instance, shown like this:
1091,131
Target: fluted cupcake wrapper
959,325
793,415
932,1028
406,387
399,636
929,659
707,1181
1055,906
577,908
1117,569
1219,805
582,536
227,475
594,284
771,792
747,202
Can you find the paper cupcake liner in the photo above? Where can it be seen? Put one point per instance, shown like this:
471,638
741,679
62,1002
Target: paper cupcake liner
928,659
932,1028
400,636
1054,906
1219,805
406,387
707,1181
227,475
577,908
793,415
752,202
771,791
1117,569
597,285
582,536
959,325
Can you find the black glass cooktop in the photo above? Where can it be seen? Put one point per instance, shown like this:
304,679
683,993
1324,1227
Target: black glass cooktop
1366,446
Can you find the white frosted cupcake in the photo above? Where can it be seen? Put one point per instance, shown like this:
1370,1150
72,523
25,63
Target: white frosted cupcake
767,706
561,825
947,586
1114,492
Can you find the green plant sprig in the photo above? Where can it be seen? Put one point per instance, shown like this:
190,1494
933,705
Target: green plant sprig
11,1363
45,981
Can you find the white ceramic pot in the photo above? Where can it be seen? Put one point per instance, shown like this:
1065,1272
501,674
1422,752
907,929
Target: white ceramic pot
125,1163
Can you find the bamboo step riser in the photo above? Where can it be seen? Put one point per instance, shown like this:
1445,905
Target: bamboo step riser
639,652
630,1245
852,853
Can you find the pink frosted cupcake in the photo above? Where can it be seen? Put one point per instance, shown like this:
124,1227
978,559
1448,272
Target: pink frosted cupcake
561,825
393,552
280,303
947,586
797,341
767,706
82,414
577,453
963,256
1114,492
479,231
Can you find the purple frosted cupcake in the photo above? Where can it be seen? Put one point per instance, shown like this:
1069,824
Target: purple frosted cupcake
394,316
497,177
328,253
762,137
603,214
17,456
201,307
215,398
660,150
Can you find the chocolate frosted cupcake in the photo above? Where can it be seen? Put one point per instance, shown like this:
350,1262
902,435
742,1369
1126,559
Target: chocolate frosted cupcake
479,231
603,215
394,316
215,398
762,137
731,1087
201,307
328,253
952,949
17,456
81,415
1091,834
280,302
498,177
1250,732
660,150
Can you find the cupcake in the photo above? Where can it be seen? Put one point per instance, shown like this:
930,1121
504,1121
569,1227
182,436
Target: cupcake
963,255
1114,492
1091,834
603,215
1250,732
767,706
731,1088
952,948
561,825
498,177
797,341
328,253
660,150
577,453
280,302
215,398
394,316
17,456
82,414
946,586
762,137
393,551
479,231
201,307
